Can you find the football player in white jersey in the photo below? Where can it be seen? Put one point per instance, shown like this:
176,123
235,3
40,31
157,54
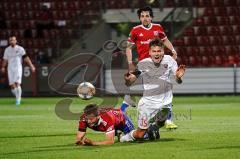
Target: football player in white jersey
13,57
140,36
157,96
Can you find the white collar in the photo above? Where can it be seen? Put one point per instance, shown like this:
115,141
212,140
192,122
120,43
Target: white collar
99,121
147,28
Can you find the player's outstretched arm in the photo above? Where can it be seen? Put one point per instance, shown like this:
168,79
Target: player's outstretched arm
179,73
29,63
131,66
108,141
169,45
4,64
79,139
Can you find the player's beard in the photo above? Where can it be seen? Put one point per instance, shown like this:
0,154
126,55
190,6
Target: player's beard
13,45
146,24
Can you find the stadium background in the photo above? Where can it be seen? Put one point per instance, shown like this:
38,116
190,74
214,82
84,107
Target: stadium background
206,35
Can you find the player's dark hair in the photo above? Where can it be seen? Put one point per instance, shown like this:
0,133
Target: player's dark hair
12,35
156,42
91,109
149,9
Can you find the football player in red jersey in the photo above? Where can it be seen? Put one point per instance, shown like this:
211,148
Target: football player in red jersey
108,120
141,36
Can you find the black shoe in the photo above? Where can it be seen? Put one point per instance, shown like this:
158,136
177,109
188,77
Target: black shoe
153,132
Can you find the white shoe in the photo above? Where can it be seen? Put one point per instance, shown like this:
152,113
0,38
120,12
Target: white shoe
126,138
18,102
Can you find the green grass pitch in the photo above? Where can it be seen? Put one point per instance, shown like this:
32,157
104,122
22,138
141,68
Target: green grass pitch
210,130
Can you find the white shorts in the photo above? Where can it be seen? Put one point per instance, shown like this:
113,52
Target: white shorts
15,76
148,111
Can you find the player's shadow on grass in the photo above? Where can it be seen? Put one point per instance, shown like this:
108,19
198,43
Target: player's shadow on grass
30,136
73,147
161,140
37,151
116,144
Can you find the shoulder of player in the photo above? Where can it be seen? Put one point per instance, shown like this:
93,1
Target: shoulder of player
141,63
19,47
156,25
137,27
146,60
169,58
83,117
108,116
7,48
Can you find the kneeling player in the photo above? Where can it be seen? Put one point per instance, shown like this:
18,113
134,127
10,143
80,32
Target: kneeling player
157,95
108,120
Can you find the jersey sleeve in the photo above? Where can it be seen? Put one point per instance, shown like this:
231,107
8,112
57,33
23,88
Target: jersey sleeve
23,52
110,125
161,33
82,124
110,129
5,56
142,66
132,37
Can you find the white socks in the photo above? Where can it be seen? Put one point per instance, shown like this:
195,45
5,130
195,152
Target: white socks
14,91
128,137
18,93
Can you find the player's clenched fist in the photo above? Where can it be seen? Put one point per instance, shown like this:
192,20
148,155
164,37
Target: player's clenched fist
180,71
129,78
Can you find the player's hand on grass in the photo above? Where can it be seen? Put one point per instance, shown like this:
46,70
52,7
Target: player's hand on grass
78,143
88,142
180,71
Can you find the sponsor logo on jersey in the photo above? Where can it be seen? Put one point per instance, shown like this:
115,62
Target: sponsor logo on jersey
141,34
165,65
155,33
145,42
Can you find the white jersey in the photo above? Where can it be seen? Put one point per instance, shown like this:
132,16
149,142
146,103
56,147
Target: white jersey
14,57
156,80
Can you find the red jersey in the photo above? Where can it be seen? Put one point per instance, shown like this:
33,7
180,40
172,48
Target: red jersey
110,120
141,37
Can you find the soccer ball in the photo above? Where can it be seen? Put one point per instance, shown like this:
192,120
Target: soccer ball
86,90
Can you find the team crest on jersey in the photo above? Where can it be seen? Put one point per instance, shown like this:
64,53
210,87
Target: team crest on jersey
165,65
155,33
